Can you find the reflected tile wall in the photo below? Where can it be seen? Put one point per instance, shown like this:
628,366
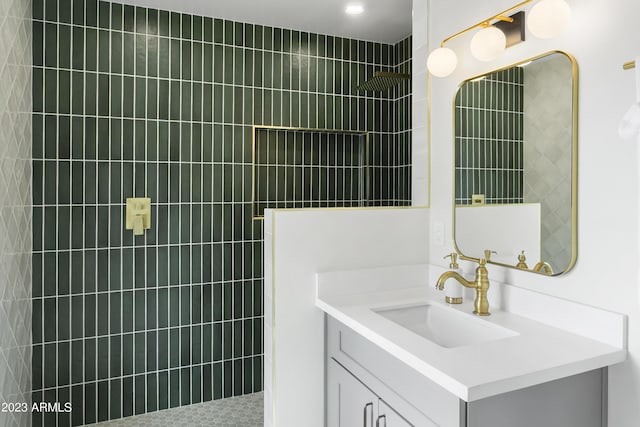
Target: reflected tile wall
489,153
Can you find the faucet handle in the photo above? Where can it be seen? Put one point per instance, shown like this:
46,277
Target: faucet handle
487,254
522,261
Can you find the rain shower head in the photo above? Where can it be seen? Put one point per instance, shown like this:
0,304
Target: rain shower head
382,80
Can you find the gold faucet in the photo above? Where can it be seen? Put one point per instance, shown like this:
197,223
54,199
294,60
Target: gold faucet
543,267
480,284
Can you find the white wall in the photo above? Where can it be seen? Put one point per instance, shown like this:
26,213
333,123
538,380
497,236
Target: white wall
602,35
299,244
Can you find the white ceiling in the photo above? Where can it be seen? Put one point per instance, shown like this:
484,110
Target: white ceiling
386,21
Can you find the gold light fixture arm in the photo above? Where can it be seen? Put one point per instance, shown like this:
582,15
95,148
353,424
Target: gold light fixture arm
500,17
629,65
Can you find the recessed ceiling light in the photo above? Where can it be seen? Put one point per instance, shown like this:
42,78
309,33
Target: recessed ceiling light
354,9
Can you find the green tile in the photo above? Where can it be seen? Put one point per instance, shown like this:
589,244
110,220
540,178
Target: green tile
127,139
238,33
141,55
217,385
249,35
91,12
163,23
287,43
152,56
139,191
116,52
91,49
64,176
152,144
197,61
217,342
218,63
37,242
64,46
237,377
207,102
49,316
129,52
218,30
139,356
50,191
152,21
175,25
127,396
115,394
77,396
175,97
228,379
104,14
38,43
51,10
163,238
207,29
151,392
141,20
103,400
185,104
38,9
129,18
140,140
163,57
50,91
174,339
207,142
228,32
217,188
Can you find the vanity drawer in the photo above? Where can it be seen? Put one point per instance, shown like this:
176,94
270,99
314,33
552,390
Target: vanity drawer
410,393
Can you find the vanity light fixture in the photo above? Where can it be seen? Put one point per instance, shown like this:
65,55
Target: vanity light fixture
354,9
547,19
488,43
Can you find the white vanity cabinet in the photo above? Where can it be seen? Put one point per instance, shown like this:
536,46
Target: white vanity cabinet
367,386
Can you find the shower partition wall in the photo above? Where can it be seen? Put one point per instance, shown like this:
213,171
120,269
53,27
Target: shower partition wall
137,102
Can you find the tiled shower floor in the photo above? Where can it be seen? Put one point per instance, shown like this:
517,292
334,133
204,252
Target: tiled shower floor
241,411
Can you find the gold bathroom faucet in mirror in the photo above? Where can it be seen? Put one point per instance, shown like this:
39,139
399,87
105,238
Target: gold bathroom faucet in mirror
515,145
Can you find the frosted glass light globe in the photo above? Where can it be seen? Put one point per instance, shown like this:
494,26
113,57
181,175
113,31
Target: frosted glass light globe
442,62
548,18
488,43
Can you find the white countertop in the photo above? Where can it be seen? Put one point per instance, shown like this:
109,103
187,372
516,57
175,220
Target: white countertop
537,352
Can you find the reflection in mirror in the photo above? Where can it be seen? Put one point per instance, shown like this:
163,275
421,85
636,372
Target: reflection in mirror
515,165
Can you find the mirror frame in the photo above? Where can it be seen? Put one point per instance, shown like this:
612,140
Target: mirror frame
574,162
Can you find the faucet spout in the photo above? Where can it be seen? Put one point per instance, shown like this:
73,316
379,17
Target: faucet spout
480,284
457,277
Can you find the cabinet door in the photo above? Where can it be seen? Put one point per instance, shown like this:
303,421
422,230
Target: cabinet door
349,402
387,417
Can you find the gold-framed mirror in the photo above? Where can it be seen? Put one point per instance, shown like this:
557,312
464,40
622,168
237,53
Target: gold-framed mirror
515,165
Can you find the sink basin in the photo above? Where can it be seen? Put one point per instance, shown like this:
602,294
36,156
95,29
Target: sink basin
444,326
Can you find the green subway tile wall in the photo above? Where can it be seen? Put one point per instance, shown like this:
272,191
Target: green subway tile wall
136,102
489,128
309,169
